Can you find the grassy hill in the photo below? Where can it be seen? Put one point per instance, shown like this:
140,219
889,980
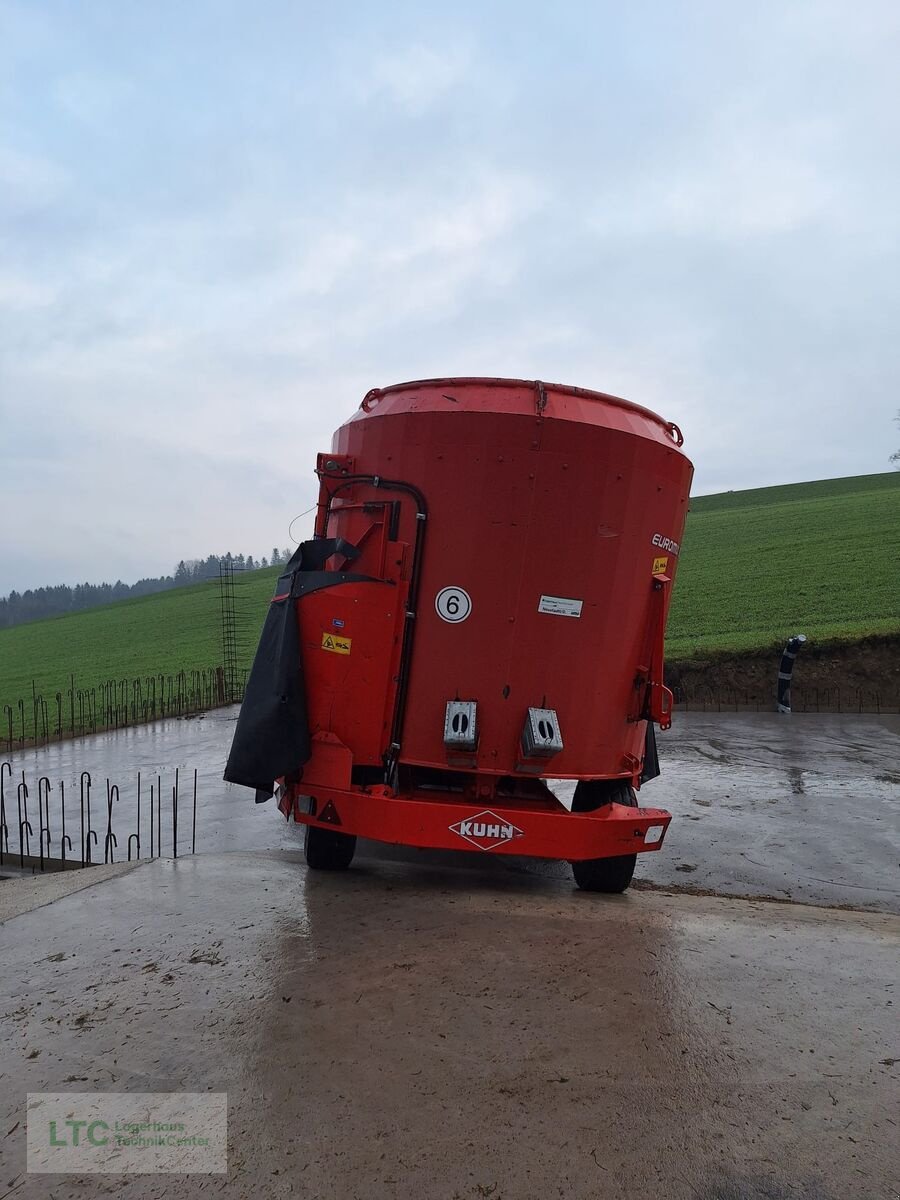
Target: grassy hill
816,558
178,630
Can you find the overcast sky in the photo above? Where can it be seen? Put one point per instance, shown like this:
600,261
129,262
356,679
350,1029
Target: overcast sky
221,223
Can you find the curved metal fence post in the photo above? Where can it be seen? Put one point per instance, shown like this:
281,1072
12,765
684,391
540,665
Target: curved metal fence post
44,816
112,793
5,767
25,829
86,830
136,837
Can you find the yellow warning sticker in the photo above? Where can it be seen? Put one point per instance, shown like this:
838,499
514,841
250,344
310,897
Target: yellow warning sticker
337,645
659,565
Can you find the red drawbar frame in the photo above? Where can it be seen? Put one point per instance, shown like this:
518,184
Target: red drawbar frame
447,821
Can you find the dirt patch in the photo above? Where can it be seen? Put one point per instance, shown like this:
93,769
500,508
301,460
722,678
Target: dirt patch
862,676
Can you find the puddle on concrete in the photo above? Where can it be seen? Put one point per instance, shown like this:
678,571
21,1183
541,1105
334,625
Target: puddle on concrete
798,807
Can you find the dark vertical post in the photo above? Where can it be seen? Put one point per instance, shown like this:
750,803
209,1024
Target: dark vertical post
229,631
112,793
136,837
86,837
44,788
786,671
175,816
65,841
25,829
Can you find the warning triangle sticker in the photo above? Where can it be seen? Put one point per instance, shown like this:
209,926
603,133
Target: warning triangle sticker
329,814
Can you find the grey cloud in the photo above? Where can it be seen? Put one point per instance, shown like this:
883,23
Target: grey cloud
208,256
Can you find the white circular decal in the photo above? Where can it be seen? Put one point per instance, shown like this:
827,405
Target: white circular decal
453,604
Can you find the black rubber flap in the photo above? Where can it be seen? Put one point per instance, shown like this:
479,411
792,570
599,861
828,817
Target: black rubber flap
271,739
272,734
651,755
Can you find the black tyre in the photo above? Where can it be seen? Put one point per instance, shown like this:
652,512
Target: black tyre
603,874
327,850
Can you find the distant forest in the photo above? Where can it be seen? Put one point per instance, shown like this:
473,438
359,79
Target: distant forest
34,605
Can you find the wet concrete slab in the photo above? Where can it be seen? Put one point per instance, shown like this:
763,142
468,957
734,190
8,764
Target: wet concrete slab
405,1030
35,890
227,818
801,807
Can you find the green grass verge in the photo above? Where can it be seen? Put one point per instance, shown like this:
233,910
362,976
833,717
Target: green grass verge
173,631
815,558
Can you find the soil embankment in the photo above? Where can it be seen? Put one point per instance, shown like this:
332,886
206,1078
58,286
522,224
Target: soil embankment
828,677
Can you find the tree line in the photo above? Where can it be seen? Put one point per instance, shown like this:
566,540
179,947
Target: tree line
37,603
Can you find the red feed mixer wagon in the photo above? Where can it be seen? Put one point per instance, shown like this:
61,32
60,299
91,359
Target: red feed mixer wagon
482,610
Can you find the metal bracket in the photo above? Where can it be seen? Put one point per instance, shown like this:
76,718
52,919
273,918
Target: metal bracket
460,725
541,736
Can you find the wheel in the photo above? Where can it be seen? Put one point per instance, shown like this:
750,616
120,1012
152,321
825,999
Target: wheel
327,850
603,874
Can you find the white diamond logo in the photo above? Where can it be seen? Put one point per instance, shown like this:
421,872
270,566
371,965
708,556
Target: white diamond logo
486,831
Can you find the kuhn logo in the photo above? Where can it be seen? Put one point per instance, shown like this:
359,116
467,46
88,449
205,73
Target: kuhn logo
486,831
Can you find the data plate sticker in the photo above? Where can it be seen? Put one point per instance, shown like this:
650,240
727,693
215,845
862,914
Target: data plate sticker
560,606
453,604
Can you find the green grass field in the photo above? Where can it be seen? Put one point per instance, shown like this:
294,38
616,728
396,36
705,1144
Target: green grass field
816,558
173,631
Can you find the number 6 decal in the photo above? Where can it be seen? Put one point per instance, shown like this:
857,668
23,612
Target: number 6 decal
453,604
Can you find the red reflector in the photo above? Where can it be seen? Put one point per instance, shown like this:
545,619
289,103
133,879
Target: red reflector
329,814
